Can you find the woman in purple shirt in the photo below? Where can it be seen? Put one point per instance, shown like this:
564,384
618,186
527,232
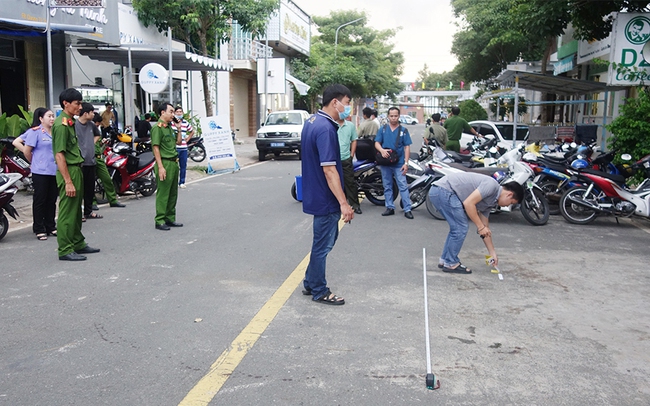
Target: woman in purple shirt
36,145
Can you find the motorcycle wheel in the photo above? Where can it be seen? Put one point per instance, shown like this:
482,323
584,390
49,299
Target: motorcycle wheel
550,186
148,191
100,193
294,194
575,213
433,211
373,188
4,225
534,207
418,196
197,153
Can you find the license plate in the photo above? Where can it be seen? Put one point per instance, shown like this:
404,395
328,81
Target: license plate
277,144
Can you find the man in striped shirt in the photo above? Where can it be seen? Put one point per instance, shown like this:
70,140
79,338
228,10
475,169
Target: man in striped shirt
187,132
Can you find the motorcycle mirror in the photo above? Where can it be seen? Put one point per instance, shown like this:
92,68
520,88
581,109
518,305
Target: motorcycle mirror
573,145
626,157
493,150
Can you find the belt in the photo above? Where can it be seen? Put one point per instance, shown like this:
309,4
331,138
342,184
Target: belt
170,159
77,165
98,156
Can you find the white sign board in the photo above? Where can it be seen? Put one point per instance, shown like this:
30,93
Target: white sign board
153,78
631,33
273,79
588,50
295,28
217,140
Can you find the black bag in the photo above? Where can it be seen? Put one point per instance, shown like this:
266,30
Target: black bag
392,154
365,149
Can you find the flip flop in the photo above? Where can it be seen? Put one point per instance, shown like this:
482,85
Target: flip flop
462,269
94,216
52,233
330,299
41,236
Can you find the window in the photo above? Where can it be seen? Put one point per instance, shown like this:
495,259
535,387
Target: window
486,130
284,118
506,131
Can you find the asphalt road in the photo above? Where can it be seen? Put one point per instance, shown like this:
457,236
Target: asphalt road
144,321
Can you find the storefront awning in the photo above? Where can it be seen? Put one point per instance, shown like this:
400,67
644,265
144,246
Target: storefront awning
554,84
301,87
181,60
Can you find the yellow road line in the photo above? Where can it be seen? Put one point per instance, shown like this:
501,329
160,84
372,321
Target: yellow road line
207,388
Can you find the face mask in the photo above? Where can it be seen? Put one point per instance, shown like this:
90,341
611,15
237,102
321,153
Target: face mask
346,112
179,117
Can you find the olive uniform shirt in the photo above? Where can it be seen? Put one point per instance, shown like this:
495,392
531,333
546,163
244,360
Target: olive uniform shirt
64,139
163,136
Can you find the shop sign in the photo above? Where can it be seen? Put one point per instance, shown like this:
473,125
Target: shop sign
153,78
631,33
562,66
104,20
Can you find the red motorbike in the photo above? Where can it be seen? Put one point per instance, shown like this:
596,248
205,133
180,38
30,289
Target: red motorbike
7,191
12,163
130,171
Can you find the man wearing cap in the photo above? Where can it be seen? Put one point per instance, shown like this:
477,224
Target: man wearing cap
69,179
164,142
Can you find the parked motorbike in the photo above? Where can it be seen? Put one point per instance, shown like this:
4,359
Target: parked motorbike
195,149
130,171
534,206
7,191
368,180
602,193
12,163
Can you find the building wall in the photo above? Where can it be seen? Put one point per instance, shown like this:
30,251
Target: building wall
240,105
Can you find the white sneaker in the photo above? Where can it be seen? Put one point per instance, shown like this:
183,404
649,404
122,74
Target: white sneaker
183,186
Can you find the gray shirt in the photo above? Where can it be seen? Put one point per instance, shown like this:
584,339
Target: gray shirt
86,135
464,183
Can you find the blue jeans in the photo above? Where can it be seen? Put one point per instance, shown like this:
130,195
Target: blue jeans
387,173
452,208
326,231
182,162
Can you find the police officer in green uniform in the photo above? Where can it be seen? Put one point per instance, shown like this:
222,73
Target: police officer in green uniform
102,170
164,142
69,179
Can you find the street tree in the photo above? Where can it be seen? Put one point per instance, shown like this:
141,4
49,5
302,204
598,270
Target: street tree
360,58
470,110
201,23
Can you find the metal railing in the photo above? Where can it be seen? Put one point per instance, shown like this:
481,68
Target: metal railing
247,49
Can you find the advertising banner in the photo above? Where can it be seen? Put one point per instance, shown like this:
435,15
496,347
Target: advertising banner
219,148
588,50
631,33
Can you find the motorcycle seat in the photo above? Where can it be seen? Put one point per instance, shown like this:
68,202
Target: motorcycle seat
548,158
146,158
552,165
485,170
612,177
459,157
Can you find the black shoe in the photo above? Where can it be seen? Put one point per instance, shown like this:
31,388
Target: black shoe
73,256
358,210
117,204
408,215
388,212
173,224
163,227
95,207
87,250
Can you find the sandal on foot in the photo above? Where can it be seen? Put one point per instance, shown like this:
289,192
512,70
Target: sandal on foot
83,219
94,216
459,269
306,292
52,233
41,236
330,299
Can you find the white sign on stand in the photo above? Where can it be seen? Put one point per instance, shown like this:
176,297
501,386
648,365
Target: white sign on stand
219,148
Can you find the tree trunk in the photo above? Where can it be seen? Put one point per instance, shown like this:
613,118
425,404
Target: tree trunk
204,76
547,114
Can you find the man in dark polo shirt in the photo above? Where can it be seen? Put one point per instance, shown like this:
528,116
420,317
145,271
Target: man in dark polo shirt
164,142
69,179
323,195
